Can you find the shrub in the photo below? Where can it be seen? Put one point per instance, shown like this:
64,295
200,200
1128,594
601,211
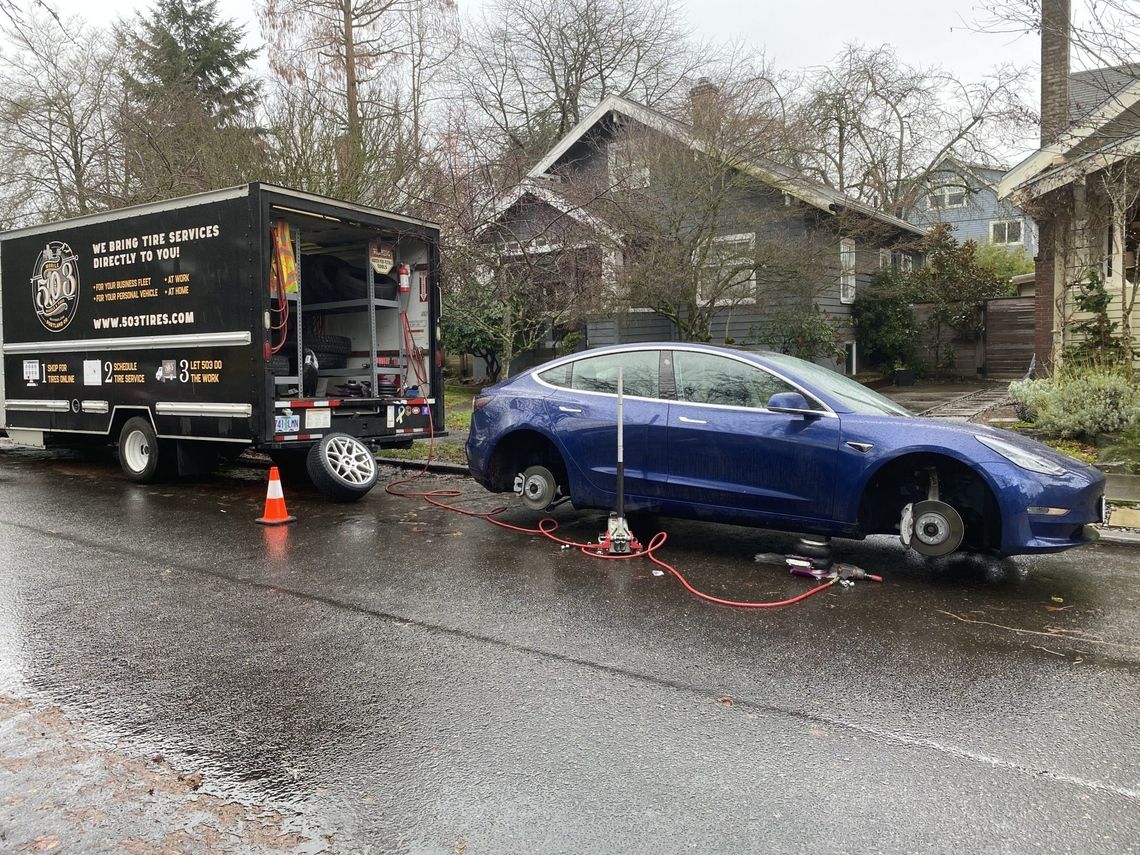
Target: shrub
885,327
1126,450
1082,403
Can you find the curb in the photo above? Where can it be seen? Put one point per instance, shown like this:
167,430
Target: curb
438,468
1119,536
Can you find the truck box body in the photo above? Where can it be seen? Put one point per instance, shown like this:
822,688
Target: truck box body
172,312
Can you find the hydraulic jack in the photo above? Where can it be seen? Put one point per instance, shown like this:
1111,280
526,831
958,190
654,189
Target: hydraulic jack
618,539
811,557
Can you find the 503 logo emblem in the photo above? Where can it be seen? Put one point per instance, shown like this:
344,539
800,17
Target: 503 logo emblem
55,286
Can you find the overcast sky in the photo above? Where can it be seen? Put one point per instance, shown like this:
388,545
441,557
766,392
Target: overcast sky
795,33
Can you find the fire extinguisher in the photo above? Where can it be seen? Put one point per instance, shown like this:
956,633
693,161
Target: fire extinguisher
405,274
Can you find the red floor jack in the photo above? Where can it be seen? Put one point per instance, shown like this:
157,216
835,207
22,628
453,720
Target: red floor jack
618,539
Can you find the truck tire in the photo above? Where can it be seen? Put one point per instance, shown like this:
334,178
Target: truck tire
339,345
140,453
279,365
342,467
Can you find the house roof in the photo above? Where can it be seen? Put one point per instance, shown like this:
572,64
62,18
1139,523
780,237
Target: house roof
773,174
1089,90
536,190
1076,152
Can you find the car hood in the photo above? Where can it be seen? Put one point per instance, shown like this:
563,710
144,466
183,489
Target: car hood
922,432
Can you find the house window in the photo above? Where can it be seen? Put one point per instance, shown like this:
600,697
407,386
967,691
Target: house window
847,270
1005,232
948,196
895,260
625,171
728,275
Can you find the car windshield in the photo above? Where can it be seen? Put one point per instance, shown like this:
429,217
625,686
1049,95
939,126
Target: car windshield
855,396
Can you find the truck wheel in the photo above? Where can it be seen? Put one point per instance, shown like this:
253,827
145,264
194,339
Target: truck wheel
140,452
342,467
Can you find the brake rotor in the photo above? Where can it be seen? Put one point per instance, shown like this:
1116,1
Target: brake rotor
936,528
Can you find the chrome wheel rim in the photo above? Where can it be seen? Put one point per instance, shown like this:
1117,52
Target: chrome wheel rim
350,460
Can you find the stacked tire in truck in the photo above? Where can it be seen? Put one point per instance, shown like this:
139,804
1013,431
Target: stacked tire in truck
253,317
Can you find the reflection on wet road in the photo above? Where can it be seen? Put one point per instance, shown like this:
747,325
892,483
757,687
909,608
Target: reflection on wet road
410,680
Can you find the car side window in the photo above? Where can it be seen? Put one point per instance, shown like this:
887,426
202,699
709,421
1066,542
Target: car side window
559,375
705,378
640,373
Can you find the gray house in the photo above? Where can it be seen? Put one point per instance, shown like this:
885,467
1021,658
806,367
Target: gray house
758,239
965,196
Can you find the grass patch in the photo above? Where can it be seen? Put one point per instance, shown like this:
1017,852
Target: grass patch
441,453
457,406
1082,451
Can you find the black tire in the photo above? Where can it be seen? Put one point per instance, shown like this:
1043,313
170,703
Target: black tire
278,365
328,359
143,458
342,467
337,345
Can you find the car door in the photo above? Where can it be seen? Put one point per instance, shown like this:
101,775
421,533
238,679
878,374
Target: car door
583,411
726,449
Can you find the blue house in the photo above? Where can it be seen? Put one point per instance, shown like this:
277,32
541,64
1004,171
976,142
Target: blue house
965,196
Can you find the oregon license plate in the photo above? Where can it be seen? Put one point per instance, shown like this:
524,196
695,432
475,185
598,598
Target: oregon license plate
286,424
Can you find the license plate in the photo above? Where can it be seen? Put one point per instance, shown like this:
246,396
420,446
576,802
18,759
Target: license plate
286,424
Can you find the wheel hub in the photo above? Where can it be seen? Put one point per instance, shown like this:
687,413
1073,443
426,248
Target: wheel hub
937,529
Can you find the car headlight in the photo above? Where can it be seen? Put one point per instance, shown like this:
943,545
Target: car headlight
1020,456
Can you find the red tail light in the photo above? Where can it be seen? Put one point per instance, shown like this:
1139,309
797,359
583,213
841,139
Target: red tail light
480,402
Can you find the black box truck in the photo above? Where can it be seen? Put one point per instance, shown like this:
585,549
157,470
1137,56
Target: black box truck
189,330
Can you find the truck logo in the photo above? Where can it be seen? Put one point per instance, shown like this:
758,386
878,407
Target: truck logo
55,286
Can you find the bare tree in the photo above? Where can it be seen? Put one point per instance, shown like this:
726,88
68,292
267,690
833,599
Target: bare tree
355,85
533,67
58,148
1104,34
876,127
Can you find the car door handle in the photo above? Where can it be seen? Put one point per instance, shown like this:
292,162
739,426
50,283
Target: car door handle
569,410
689,421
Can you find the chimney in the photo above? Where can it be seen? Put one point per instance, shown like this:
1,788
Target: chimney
1055,18
703,100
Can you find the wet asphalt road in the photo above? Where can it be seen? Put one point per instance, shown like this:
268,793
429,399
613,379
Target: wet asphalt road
390,677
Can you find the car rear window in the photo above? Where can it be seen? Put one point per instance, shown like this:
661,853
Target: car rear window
640,373
559,375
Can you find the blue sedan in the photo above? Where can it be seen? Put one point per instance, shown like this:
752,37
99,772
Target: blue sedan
766,439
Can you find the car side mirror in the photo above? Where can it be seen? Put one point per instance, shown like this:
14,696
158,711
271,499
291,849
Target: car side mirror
792,403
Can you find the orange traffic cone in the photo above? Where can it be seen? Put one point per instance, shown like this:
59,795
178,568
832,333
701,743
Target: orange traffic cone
275,513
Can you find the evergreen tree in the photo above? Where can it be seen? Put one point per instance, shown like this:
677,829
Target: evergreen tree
183,48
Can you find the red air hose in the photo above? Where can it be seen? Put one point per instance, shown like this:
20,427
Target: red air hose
547,526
